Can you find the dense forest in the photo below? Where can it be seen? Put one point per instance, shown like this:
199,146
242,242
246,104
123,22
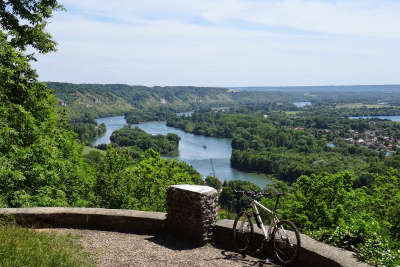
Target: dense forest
87,128
276,145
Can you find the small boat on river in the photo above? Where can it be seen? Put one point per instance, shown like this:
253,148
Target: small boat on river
204,146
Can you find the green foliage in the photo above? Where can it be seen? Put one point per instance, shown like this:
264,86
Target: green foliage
94,157
233,202
365,238
213,182
328,207
24,23
25,247
40,161
225,214
138,103
160,113
88,131
141,185
164,144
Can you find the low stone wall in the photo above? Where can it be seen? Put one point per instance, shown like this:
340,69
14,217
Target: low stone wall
129,221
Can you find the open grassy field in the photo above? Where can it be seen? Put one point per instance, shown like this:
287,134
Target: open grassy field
27,247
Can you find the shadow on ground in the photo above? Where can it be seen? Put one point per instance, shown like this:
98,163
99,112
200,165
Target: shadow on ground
243,259
171,242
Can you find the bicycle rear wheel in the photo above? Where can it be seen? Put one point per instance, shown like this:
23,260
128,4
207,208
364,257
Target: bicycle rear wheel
243,231
286,242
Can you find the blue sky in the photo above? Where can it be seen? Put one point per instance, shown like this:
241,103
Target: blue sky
225,42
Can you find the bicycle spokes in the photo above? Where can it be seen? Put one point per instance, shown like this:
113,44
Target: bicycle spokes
286,242
242,231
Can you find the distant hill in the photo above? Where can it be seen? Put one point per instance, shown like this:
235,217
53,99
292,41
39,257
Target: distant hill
110,99
99,100
331,89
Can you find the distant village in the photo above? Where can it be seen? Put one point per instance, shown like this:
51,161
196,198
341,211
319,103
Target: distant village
374,139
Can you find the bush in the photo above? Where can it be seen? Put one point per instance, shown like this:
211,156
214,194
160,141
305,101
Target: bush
213,182
140,184
365,239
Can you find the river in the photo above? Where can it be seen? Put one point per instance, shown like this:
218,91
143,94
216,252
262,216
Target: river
302,104
390,117
203,153
112,124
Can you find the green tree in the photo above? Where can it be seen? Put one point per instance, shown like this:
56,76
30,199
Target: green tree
143,184
213,182
231,201
24,21
40,161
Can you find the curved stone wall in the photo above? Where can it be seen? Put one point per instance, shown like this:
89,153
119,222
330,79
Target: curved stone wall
313,253
130,221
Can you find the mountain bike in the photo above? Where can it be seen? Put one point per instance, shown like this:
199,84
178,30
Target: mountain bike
283,234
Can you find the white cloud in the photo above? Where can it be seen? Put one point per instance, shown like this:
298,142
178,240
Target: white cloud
225,42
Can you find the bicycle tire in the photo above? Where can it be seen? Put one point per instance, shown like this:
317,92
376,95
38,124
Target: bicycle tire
286,242
243,231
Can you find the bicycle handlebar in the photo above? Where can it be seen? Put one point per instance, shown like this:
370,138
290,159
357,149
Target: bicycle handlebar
258,195
277,192
252,194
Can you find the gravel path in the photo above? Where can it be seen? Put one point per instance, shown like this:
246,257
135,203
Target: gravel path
120,249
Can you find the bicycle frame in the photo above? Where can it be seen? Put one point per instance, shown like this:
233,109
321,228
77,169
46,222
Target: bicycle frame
285,242
274,219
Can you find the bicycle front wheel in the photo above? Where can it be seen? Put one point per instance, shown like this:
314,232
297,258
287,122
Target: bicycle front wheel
243,231
286,242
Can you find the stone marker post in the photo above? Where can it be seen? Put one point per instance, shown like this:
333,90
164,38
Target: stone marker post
192,212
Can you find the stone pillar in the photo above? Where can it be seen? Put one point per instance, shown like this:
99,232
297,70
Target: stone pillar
192,212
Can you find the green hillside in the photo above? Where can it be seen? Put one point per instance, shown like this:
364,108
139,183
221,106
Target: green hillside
111,99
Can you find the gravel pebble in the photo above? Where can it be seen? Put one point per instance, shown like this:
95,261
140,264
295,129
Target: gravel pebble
121,249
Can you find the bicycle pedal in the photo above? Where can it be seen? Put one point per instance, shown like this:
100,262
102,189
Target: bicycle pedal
267,261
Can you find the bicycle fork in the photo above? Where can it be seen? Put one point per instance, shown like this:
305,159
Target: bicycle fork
259,221
260,225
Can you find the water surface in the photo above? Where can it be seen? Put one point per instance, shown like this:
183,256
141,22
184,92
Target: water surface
112,124
203,153
302,104
392,118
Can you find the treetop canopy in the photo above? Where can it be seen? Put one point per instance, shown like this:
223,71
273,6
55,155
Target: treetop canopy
24,22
